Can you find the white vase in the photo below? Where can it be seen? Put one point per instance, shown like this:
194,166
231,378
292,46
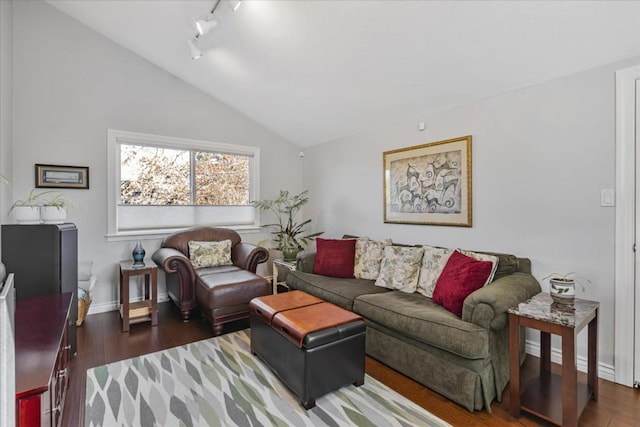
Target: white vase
27,214
563,291
53,214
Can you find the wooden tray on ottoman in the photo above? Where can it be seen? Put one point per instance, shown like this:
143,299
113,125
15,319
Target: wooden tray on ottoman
314,349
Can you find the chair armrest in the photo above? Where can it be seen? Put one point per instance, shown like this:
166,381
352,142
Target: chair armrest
247,256
173,261
487,307
305,262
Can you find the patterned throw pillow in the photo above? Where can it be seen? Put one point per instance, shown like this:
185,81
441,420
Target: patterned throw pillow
483,257
368,257
210,254
400,268
433,262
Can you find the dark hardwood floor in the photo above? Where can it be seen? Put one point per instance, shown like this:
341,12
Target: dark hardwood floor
101,341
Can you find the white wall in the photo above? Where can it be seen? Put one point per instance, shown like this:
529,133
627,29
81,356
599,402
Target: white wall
6,100
71,84
541,155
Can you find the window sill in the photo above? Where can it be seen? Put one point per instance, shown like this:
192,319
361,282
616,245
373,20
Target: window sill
125,236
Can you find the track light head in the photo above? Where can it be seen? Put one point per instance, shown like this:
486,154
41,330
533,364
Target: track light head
234,4
195,52
204,26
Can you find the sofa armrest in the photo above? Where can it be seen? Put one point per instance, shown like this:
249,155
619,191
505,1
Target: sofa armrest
305,262
247,256
173,261
487,307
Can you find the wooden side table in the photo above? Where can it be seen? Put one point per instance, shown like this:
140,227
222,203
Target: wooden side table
555,398
289,265
146,309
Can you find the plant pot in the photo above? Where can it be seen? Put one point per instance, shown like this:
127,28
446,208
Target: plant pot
27,214
563,291
53,214
290,254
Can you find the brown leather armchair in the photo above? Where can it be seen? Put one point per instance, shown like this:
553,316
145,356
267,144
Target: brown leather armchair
222,293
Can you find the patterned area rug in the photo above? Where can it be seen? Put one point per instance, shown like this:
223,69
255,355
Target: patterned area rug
218,382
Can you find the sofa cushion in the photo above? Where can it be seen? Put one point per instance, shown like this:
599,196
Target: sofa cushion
507,264
335,257
217,269
418,317
433,263
339,291
368,257
400,268
461,276
483,257
219,290
210,254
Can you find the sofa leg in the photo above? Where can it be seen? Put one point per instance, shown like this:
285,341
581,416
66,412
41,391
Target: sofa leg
217,329
358,383
185,315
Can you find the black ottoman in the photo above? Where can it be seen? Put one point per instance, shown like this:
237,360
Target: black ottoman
306,343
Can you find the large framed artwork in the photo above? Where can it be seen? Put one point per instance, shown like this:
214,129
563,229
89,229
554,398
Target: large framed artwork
429,184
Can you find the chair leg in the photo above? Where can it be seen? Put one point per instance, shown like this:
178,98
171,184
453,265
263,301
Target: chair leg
217,329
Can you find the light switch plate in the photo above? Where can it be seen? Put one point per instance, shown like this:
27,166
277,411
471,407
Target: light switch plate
607,197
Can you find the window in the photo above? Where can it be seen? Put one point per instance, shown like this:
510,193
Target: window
160,183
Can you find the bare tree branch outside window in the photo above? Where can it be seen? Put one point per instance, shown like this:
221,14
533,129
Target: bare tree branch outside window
162,176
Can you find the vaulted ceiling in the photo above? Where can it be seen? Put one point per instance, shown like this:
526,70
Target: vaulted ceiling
316,71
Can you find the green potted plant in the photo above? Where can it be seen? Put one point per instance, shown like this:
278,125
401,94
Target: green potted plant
562,287
54,208
27,211
289,236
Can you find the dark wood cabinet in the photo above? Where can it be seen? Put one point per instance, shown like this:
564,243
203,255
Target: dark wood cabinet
44,260
42,359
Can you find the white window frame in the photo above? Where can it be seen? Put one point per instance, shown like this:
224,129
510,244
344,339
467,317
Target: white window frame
115,138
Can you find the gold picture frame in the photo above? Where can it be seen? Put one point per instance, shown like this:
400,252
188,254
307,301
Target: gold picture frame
429,184
56,176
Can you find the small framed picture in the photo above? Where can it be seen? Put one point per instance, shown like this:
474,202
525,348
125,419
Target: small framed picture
56,176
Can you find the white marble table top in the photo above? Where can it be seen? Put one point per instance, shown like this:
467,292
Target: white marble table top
541,307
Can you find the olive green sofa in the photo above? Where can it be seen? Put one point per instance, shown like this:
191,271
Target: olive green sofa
465,359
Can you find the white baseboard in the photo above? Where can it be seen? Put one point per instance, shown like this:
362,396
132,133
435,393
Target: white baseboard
115,305
606,372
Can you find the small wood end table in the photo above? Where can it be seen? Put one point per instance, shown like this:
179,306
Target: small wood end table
289,265
147,309
559,399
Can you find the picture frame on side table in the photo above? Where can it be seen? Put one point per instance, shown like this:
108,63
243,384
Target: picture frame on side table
429,184
56,176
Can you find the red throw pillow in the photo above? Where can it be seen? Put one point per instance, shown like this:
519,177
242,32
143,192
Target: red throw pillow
461,276
335,257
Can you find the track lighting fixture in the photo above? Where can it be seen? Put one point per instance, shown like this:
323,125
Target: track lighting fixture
195,52
204,26
234,4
